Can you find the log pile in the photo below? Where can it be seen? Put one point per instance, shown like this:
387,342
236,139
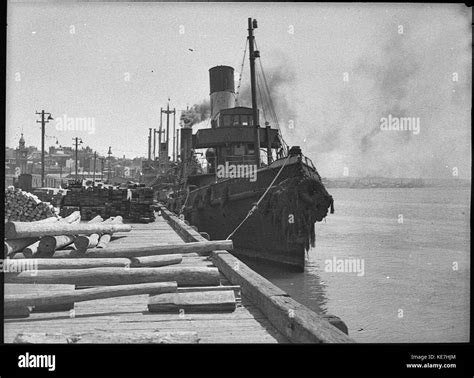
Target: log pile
26,207
18,230
141,205
171,279
68,210
176,277
49,236
54,199
135,204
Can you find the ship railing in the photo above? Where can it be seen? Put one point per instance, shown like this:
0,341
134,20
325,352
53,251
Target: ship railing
240,159
309,162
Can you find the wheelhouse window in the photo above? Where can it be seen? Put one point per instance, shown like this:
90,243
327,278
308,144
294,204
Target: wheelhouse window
239,149
236,120
227,120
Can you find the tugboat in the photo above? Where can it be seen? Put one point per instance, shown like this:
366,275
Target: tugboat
268,210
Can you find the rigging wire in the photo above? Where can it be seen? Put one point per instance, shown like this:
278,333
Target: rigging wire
241,71
261,98
255,207
271,105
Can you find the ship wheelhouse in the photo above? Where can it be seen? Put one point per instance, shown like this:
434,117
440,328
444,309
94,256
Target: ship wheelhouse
231,139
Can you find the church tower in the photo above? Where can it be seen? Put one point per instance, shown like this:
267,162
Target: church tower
22,155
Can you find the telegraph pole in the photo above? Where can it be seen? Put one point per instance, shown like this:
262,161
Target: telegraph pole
43,124
149,144
177,145
93,175
102,165
168,127
154,144
160,132
174,134
161,128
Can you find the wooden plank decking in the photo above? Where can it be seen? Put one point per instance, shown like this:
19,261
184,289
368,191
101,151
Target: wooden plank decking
247,324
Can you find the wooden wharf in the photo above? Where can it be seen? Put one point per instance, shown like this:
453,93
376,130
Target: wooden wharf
263,313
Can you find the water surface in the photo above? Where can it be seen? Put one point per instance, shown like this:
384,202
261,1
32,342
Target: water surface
415,245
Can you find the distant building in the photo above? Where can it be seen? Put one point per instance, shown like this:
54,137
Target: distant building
21,156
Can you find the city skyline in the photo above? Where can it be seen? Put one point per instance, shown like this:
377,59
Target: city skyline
110,67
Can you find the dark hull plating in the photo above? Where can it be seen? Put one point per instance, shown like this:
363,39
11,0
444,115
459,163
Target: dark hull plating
220,207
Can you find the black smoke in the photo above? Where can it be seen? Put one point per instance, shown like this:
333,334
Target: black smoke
196,113
407,75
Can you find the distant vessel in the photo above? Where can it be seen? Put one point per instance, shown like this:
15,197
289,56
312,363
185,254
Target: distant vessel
268,210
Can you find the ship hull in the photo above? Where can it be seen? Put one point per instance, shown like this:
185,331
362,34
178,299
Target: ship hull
219,208
257,238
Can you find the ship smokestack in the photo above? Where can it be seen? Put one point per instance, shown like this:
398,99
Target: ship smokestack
186,143
186,149
222,90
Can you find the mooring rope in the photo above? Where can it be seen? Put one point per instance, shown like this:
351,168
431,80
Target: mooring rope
255,207
185,201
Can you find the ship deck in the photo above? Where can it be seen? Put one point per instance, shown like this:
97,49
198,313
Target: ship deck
247,324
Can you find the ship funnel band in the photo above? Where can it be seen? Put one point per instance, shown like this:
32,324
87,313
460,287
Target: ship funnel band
295,205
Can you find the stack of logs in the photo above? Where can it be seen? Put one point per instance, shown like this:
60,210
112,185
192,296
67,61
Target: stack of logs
167,272
26,207
43,238
135,204
141,205
54,199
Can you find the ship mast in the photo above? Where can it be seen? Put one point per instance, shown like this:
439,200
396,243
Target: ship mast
252,55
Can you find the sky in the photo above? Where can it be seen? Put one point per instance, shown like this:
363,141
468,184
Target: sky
335,71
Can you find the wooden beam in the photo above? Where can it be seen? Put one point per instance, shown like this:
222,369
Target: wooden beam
184,276
80,263
187,233
234,288
198,301
101,337
154,261
203,248
17,245
48,244
17,230
298,323
82,242
105,238
74,217
106,262
258,291
55,299
19,289
15,313
31,250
